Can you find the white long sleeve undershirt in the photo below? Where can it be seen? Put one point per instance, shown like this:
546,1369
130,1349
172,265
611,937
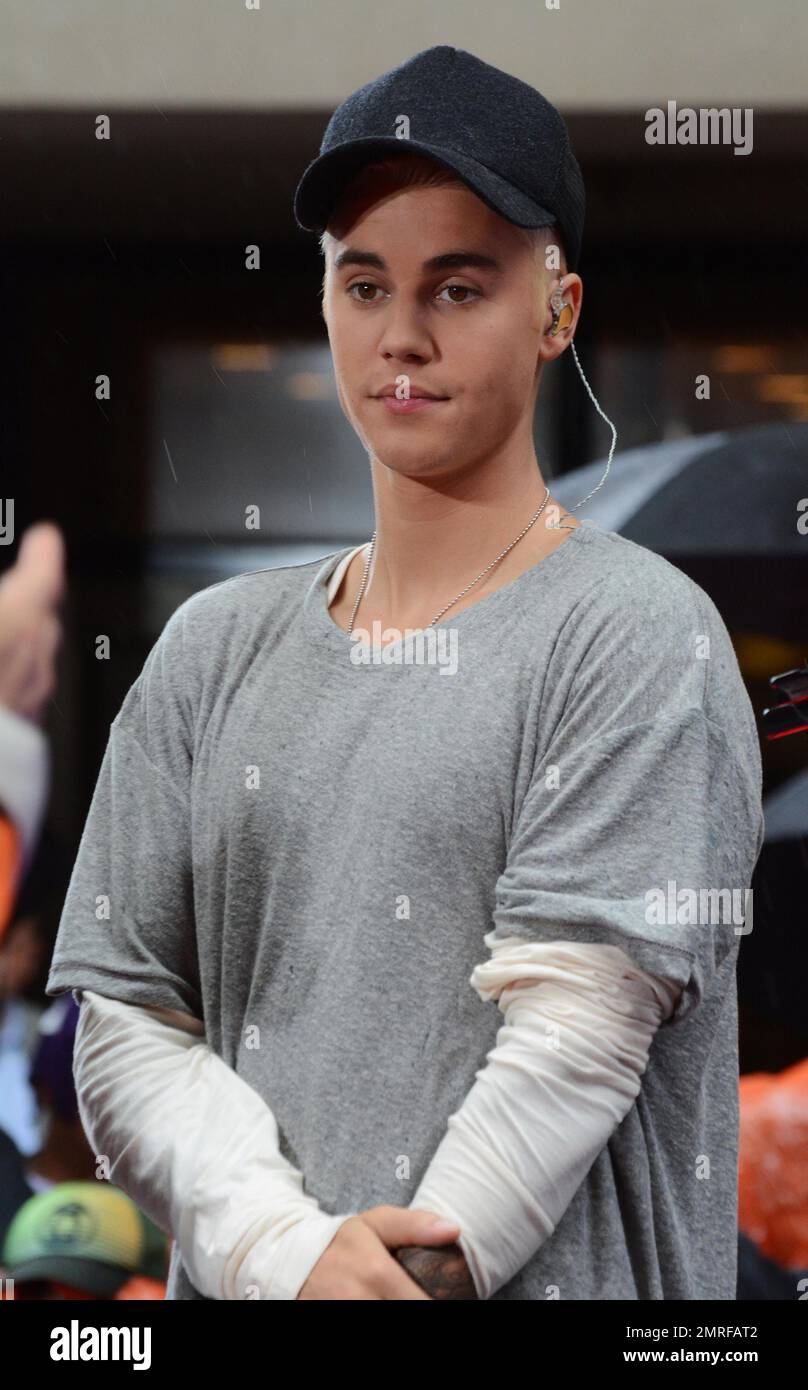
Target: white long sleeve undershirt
565,1070
196,1147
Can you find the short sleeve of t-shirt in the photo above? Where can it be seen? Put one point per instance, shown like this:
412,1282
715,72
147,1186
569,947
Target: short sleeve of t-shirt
127,928
641,806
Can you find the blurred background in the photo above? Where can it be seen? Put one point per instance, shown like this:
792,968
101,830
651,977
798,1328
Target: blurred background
126,257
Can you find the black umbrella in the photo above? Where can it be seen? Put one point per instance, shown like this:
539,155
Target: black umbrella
723,507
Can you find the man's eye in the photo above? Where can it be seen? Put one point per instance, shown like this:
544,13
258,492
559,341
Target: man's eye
361,285
466,289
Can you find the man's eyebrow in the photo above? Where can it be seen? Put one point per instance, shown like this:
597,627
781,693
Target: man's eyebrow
450,260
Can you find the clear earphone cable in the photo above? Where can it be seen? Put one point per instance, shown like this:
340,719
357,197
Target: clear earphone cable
603,416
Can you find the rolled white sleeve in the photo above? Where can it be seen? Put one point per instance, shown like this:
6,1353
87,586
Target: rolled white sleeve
197,1149
566,1069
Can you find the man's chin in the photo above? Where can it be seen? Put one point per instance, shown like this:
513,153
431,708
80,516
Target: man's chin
412,462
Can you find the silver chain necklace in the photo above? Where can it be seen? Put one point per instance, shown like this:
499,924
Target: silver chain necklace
468,586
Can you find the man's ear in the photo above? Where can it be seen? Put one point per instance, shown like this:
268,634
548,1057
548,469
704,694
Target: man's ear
552,346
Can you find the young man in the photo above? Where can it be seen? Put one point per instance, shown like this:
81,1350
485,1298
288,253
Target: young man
300,854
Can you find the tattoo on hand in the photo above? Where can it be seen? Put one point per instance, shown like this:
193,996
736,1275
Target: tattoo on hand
442,1272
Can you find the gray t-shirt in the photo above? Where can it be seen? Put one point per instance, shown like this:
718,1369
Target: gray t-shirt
292,841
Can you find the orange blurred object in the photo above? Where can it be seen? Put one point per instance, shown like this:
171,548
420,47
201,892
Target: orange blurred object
10,850
141,1287
773,1163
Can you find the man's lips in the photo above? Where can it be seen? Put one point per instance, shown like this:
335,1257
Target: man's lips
410,404
414,389
418,398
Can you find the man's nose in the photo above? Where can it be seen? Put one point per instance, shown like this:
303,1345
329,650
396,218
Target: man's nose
405,330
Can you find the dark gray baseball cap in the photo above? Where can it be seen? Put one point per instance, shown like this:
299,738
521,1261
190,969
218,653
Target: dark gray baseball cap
501,137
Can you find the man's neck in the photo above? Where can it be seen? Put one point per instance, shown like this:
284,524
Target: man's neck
430,545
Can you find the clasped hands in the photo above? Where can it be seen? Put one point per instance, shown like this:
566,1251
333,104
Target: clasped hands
392,1252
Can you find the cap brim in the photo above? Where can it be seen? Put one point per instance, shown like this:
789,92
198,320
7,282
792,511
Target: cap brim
91,1276
322,183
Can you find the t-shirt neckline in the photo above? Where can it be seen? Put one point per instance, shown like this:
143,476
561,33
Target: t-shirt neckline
331,637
